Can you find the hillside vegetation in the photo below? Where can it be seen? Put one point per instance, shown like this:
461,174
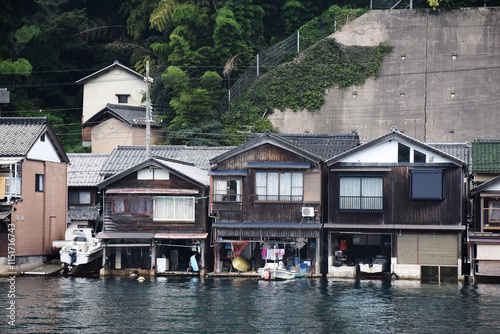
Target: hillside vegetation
197,51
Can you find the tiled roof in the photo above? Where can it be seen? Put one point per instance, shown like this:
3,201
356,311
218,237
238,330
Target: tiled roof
123,157
18,134
84,169
460,151
324,145
132,115
4,96
83,213
193,172
486,156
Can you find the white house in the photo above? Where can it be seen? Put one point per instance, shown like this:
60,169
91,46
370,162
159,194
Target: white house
115,84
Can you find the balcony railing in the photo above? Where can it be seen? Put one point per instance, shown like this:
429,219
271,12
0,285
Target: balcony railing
360,203
278,198
226,198
13,187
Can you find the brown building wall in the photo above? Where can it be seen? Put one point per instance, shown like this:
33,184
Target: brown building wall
41,216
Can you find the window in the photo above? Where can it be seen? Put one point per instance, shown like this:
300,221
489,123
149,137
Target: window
418,156
227,190
279,186
119,205
361,193
79,197
153,174
39,179
122,98
174,209
136,206
42,137
494,214
427,184
403,153
140,206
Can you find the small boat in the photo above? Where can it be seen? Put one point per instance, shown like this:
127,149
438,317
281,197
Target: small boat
241,264
379,264
84,249
275,271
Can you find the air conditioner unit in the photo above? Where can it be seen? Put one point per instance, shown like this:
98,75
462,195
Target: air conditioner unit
307,211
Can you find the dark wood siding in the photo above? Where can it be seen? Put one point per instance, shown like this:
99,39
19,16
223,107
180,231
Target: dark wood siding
264,153
399,208
252,210
126,222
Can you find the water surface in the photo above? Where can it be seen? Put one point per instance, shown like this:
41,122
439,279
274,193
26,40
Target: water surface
247,305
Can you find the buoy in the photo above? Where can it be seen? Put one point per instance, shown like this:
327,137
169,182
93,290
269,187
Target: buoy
266,274
141,279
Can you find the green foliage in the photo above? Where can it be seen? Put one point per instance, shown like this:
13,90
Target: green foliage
325,24
161,18
139,13
292,13
26,33
20,67
301,84
227,36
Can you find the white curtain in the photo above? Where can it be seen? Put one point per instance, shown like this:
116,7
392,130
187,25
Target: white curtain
272,186
372,191
260,185
297,186
174,208
350,190
285,186
85,197
220,189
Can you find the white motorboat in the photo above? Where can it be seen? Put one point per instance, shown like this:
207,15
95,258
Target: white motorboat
83,249
275,271
378,265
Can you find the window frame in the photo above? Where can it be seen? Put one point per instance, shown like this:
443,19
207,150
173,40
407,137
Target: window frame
277,194
362,198
78,193
493,212
191,219
39,182
220,196
145,205
122,96
420,172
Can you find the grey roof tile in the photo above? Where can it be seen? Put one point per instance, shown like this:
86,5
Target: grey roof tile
324,145
18,134
84,169
123,157
83,213
132,115
462,151
193,172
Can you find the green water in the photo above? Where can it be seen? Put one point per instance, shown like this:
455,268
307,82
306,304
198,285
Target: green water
233,305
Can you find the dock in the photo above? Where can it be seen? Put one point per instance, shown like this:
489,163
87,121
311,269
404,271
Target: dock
45,270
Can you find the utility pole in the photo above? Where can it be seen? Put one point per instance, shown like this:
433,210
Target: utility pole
148,113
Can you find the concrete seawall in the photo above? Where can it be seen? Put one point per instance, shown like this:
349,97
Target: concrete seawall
441,83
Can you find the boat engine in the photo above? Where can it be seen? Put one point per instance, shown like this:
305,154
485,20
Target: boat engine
72,256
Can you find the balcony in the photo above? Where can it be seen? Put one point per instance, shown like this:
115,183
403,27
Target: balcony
12,187
360,203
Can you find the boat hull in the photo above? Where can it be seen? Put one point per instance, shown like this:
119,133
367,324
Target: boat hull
271,272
